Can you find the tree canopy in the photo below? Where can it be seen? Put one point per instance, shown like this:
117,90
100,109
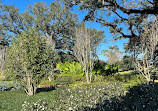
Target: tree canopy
29,59
55,21
123,17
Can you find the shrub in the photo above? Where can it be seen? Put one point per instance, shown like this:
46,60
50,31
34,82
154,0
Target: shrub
111,69
73,68
40,105
29,59
99,68
84,98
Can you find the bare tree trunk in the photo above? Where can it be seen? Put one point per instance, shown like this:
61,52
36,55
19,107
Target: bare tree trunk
149,41
2,60
87,77
50,42
83,51
30,88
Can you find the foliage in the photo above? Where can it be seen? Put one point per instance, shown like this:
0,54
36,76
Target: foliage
40,105
127,63
86,42
64,79
79,98
128,80
65,57
113,55
29,59
55,21
126,15
148,45
139,98
111,69
99,68
73,68
97,96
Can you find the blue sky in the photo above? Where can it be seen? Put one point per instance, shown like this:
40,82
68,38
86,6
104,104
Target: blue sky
22,5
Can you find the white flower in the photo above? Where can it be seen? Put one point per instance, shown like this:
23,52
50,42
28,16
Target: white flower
71,96
68,90
70,108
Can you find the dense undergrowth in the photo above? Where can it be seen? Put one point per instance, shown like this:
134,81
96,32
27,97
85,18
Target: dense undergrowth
109,93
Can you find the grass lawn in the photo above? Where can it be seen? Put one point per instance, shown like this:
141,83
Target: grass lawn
126,72
13,100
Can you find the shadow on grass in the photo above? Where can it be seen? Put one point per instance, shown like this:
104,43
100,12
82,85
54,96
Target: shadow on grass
45,89
139,98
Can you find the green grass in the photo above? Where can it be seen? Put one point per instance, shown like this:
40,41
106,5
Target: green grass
64,79
126,72
13,100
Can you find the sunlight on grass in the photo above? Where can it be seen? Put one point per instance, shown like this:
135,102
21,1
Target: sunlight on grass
126,72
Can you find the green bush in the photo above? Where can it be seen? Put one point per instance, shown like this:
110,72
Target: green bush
99,68
73,68
111,69
40,105
83,98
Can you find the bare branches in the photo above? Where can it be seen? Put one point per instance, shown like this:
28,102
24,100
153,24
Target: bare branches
115,27
148,42
84,49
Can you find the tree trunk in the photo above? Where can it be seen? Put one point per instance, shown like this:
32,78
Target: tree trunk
2,60
90,76
2,77
30,87
30,91
87,77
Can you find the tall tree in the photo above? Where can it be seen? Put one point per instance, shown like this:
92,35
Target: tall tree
87,41
126,63
29,59
55,21
149,41
124,17
113,55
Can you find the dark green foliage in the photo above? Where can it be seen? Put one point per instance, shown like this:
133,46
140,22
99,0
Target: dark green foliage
65,57
127,63
107,98
111,69
64,79
99,67
68,79
139,98
105,69
29,59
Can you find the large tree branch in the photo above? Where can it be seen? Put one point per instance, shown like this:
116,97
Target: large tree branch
105,23
152,10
